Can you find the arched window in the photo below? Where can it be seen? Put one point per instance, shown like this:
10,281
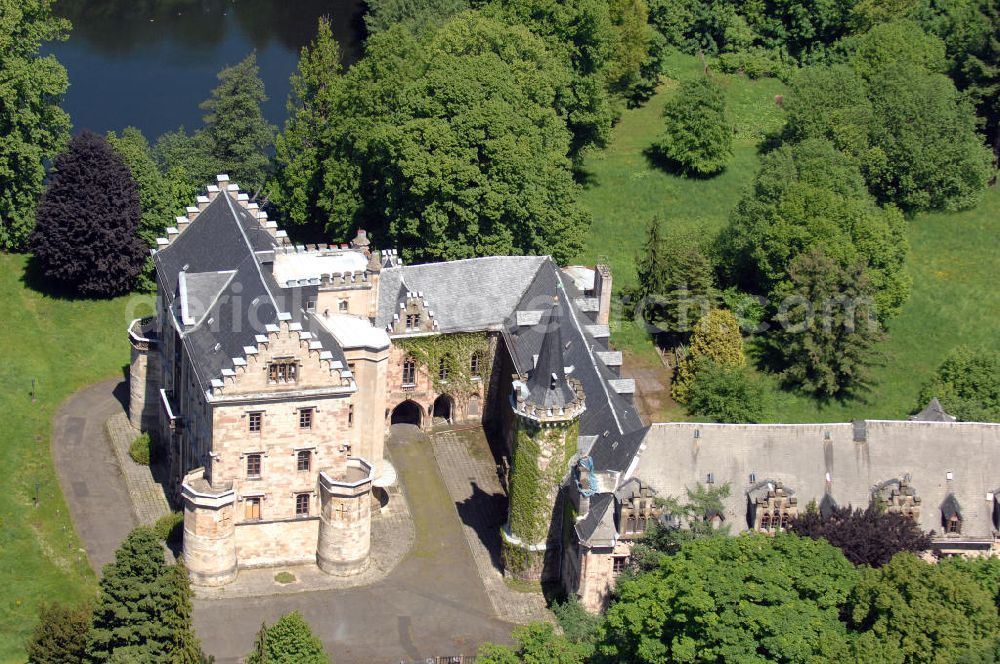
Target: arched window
443,367
409,371
630,525
641,525
784,521
474,363
765,522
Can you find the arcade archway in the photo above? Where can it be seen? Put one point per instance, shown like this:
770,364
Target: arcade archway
407,412
444,407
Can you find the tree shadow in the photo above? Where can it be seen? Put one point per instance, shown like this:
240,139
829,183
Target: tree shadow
485,513
585,178
35,279
656,159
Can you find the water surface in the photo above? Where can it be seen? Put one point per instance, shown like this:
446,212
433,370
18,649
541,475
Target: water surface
149,63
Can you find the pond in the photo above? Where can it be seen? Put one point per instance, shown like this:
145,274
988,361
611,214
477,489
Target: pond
149,63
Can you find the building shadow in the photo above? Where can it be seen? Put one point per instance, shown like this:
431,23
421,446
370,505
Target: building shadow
485,513
120,393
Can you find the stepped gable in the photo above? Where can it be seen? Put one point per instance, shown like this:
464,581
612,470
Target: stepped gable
469,295
225,283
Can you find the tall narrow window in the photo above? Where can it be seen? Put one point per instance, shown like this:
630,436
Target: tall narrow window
342,306
283,371
618,564
302,504
252,508
303,460
253,465
306,418
350,415
254,421
443,367
474,365
409,371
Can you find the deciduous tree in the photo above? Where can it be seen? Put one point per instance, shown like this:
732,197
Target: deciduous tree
416,15
928,612
288,641
33,127
727,394
968,385
870,536
697,139
536,643
86,235
750,598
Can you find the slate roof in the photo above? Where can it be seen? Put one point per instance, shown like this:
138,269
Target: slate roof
933,412
547,384
598,527
225,237
466,295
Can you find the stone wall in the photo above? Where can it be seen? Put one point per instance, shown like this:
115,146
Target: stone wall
272,543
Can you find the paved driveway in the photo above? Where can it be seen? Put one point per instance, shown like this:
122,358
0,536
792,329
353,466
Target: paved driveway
88,470
433,603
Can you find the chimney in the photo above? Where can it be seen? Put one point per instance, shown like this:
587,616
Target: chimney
602,291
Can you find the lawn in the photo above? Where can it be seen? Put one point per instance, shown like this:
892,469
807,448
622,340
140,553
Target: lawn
63,345
953,257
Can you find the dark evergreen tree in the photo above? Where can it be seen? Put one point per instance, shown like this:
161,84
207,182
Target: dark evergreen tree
825,329
239,135
86,238
697,139
60,637
135,603
184,647
868,536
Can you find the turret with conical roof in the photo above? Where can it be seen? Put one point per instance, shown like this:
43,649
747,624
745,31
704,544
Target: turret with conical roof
548,405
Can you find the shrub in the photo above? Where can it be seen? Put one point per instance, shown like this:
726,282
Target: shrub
170,527
60,635
139,450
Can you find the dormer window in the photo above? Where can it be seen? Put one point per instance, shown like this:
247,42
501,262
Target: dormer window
283,371
953,525
412,321
342,307
772,507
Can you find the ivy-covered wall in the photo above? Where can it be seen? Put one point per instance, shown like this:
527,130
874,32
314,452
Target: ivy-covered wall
456,351
532,489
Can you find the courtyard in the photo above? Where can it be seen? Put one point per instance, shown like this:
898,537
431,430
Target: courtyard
445,597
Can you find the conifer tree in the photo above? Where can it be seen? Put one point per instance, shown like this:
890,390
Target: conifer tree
86,238
288,641
697,139
826,325
716,339
60,637
133,601
239,135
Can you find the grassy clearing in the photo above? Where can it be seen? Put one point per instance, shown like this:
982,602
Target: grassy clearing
64,345
953,257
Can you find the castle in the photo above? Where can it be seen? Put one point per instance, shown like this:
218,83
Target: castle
271,373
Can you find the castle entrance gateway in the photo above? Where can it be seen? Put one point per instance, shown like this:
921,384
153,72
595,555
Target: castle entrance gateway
407,412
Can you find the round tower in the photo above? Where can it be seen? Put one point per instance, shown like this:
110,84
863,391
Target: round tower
345,519
209,530
547,406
